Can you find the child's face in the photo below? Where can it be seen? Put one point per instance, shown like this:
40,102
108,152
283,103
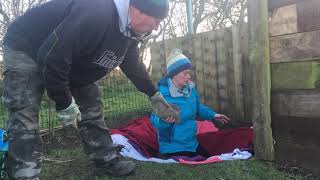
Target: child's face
181,79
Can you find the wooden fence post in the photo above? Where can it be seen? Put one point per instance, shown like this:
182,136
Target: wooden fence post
259,58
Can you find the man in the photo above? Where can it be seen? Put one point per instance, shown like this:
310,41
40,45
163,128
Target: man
64,46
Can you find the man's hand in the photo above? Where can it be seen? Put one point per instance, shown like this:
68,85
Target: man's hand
71,115
162,109
222,118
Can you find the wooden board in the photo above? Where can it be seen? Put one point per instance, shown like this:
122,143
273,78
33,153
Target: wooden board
230,74
222,71
273,4
301,17
301,130
246,80
284,21
295,75
156,62
238,72
308,14
210,70
296,103
295,47
198,63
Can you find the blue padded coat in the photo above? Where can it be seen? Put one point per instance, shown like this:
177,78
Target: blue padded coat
178,137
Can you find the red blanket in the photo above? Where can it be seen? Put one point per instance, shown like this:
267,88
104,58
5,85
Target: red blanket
214,141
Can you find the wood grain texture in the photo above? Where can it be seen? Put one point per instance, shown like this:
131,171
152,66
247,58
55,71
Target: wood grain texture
296,103
284,21
295,75
260,65
295,47
273,4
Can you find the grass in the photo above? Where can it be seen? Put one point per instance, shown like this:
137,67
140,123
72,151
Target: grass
80,168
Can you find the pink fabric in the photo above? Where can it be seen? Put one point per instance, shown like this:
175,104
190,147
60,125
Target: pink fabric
212,159
206,127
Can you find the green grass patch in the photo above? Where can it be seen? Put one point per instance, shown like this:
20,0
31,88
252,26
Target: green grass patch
78,167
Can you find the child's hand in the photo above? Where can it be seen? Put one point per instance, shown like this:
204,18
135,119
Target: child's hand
170,120
222,118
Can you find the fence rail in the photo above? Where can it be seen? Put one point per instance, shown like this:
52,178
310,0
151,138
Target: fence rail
121,100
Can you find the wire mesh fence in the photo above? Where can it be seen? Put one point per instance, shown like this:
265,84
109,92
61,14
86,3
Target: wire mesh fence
121,100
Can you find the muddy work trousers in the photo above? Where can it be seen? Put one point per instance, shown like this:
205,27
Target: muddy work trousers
23,90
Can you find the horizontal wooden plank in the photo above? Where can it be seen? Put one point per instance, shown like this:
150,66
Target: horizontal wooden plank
273,4
304,131
301,17
295,47
308,14
284,21
295,75
296,103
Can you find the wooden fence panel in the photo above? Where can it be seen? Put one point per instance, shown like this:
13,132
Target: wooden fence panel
157,61
237,73
222,72
210,70
246,73
230,73
198,62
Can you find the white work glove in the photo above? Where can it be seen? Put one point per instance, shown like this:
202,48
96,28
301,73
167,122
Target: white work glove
71,115
162,109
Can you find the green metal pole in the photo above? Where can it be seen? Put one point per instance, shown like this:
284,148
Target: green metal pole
189,16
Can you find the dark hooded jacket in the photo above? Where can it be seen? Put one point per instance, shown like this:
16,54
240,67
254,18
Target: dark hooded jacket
75,43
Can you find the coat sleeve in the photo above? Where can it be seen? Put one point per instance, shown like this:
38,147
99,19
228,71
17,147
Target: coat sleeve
79,32
136,71
204,111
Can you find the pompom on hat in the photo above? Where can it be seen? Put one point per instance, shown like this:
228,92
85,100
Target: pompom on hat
177,62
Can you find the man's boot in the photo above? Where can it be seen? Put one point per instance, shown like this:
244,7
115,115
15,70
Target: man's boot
116,167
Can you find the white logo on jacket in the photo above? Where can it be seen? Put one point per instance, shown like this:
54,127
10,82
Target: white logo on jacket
109,60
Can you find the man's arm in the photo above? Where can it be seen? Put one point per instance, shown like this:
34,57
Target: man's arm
136,71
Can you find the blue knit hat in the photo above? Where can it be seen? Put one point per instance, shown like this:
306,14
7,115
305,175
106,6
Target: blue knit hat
177,62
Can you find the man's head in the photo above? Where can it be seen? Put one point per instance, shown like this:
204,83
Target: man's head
146,15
